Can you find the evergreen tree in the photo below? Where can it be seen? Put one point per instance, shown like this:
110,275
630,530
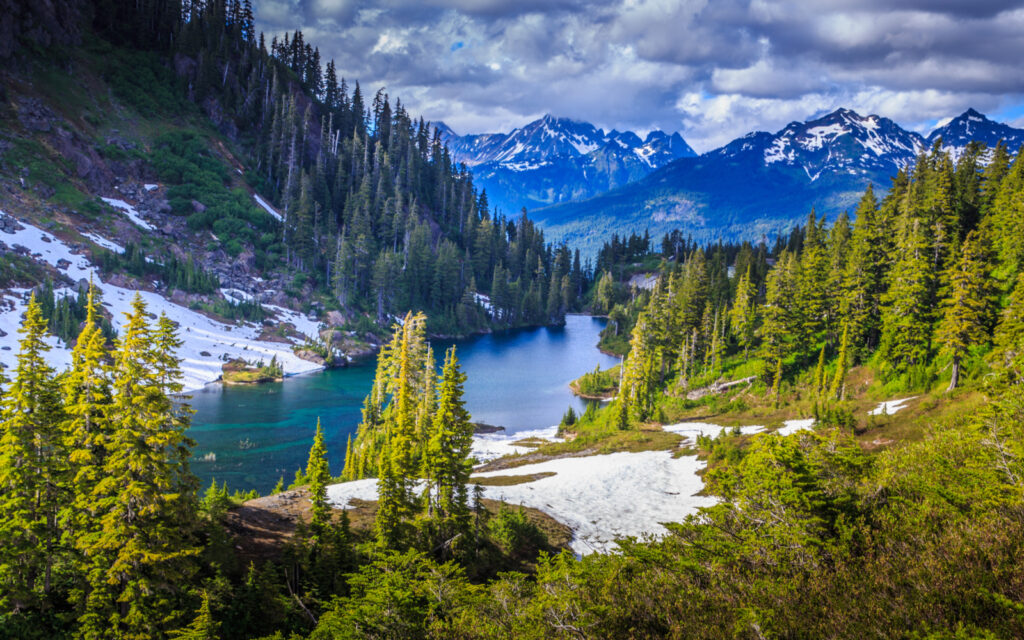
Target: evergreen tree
318,475
638,390
743,315
966,311
204,627
907,314
142,503
838,390
88,431
33,480
447,457
1008,354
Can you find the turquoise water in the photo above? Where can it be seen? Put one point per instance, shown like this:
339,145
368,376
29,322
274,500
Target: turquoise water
515,379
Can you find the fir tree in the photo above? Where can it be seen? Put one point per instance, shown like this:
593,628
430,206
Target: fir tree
838,389
142,502
32,471
88,430
447,456
318,475
203,627
966,312
1008,354
743,315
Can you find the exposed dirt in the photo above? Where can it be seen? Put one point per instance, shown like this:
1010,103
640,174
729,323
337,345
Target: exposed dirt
262,527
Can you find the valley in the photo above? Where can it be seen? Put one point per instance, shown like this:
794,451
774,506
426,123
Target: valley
281,357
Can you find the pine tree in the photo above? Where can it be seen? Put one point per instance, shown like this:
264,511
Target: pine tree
88,430
907,314
777,383
838,389
819,371
637,390
447,456
1008,354
204,627
743,315
32,471
966,312
318,475
811,286
145,498
863,281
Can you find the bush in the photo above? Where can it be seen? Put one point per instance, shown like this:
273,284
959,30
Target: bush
515,533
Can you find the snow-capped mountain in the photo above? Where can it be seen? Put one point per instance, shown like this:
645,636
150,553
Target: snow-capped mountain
842,141
553,160
973,126
763,183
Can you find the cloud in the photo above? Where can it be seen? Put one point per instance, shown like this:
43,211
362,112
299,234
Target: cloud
713,69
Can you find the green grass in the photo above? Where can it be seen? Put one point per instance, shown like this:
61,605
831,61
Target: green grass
508,481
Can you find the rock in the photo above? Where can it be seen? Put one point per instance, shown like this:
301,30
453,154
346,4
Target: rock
198,207
335,318
310,356
63,264
205,354
9,224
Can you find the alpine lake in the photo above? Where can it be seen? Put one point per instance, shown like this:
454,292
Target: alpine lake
249,436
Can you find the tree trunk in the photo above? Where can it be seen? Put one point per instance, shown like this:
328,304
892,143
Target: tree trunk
955,378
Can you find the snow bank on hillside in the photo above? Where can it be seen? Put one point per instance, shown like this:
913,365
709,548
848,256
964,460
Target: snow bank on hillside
890,406
792,426
269,209
109,245
599,497
207,343
12,308
130,212
488,446
691,430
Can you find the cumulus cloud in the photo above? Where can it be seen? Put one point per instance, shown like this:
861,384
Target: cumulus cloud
712,69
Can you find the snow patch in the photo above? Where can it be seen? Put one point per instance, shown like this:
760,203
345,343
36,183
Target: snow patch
130,213
489,446
816,137
150,187
691,430
890,406
790,427
109,245
266,207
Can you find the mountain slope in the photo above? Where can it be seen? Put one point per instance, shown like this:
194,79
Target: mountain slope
764,183
973,126
554,160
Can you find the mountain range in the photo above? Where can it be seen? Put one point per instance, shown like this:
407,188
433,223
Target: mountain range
753,187
554,160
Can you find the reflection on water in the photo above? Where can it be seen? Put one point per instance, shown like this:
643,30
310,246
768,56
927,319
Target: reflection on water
516,379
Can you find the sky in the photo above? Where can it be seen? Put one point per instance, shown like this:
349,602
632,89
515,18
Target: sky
711,69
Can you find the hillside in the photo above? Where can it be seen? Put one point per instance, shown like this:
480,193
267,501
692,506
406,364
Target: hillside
246,191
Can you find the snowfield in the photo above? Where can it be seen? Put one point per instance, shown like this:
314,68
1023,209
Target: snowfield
207,343
600,498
